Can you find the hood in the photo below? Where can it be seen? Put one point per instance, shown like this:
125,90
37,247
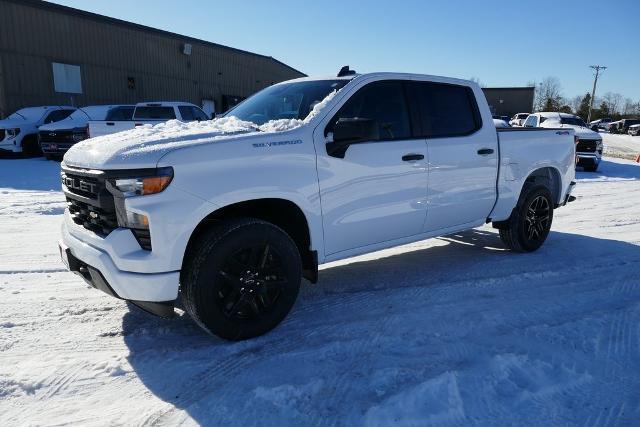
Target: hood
580,131
143,146
65,124
13,123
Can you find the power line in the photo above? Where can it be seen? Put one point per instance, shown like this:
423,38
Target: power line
597,69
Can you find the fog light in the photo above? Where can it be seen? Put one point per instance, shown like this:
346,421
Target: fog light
136,220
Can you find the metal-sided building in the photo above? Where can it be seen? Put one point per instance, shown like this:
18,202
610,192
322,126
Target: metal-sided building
507,101
56,55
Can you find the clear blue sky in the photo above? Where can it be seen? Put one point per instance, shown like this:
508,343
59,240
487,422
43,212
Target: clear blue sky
501,43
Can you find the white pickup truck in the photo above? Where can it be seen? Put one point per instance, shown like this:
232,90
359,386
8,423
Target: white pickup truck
148,113
228,215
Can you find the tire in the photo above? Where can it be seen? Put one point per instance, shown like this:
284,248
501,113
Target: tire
536,203
30,146
241,278
591,168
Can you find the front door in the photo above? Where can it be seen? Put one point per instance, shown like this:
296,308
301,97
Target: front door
377,191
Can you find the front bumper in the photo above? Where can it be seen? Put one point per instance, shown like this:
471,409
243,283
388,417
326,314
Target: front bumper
8,146
588,158
54,147
96,267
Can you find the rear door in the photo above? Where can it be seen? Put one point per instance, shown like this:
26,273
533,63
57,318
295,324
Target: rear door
377,191
462,153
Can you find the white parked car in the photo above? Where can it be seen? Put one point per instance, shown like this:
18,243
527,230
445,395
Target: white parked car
56,138
634,130
19,131
518,119
230,214
149,113
589,145
601,123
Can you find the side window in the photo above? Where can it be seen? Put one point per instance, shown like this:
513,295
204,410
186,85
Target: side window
186,113
530,122
198,114
154,113
446,110
384,103
57,115
120,114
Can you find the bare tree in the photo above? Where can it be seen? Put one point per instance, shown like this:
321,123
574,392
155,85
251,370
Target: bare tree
614,102
548,95
629,107
575,103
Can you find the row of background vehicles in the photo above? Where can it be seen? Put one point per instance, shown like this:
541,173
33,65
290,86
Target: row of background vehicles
52,130
589,145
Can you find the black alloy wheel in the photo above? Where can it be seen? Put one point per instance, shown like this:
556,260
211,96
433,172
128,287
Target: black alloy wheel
537,219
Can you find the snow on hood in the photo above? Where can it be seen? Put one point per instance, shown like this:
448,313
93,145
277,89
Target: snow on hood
9,123
148,143
67,123
581,131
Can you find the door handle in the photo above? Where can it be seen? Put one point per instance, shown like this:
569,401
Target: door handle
411,157
485,151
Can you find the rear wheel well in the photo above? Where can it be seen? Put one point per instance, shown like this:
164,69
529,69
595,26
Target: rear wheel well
279,212
549,177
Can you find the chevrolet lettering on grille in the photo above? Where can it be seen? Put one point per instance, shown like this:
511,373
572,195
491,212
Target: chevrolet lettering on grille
78,184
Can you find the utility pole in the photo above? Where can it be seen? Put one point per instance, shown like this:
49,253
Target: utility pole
597,69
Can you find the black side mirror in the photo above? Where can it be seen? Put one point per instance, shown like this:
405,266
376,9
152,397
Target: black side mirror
348,131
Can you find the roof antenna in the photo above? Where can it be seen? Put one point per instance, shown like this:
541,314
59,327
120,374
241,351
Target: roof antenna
345,71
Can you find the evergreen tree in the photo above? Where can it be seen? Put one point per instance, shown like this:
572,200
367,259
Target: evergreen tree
566,109
583,109
604,110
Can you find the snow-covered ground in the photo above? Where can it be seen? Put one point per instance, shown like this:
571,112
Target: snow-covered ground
626,146
446,331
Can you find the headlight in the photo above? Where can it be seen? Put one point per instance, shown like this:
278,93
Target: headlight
143,186
12,133
77,137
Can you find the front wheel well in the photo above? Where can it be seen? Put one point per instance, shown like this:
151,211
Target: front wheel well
280,212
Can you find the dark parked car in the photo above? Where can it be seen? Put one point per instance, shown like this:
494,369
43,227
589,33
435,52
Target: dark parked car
622,126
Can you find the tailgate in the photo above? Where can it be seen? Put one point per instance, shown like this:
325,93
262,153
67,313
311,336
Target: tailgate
100,128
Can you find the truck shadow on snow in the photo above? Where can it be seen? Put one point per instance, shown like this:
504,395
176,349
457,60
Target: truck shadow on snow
348,322
609,169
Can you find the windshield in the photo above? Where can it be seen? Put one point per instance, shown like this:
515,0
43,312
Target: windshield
89,113
28,114
574,121
523,116
285,101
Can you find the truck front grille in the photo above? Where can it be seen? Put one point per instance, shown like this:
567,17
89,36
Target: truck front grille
1,134
56,136
586,146
93,206
90,203
92,218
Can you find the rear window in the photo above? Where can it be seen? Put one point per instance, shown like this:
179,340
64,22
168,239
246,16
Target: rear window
575,121
446,110
120,114
155,113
